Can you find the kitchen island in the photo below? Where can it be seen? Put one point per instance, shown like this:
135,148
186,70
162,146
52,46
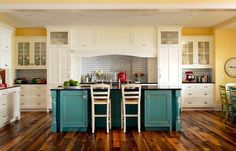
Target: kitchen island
160,109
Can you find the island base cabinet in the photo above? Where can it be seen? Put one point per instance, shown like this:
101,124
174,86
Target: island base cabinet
158,110
73,106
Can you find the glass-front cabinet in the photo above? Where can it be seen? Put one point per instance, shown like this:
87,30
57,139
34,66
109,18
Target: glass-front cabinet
31,52
197,51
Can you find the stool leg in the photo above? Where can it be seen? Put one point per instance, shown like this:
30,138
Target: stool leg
110,114
124,117
107,118
139,119
93,119
121,115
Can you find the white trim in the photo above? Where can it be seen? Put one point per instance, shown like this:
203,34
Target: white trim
63,6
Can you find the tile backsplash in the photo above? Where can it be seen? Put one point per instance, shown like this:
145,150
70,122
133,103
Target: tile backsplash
199,72
112,64
30,74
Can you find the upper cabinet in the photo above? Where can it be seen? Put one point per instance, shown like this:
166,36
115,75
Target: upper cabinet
197,51
58,37
169,57
5,47
123,40
31,52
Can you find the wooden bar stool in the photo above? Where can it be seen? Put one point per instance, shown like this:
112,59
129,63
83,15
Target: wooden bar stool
233,102
131,95
100,95
225,104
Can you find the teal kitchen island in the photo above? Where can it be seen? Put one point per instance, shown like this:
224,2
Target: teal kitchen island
71,109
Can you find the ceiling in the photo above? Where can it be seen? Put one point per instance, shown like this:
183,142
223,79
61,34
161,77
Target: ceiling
186,18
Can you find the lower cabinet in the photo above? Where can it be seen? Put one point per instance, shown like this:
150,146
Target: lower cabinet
73,110
197,96
33,97
9,105
158,109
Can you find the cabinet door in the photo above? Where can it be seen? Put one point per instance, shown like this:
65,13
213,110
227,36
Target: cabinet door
203,52
169,37
40,53
169,67
158,110
73,109
144,37
187,53
23,53
59,65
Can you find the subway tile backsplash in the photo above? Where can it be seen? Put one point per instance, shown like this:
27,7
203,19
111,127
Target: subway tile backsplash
112,64
199,72
30,74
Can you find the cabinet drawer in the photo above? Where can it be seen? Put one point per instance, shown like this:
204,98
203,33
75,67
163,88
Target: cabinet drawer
3,107
197,87
33,87
197,103
33,95
4,117
197,95
35,103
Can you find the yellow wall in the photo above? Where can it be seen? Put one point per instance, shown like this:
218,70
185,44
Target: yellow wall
225,48
197,31
31,32
114,1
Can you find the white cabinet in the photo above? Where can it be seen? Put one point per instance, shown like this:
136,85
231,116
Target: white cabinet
169,58
9,105
59,66
111,39
33,97
197,96
58,37
6,52
5,48
31,52
197,51
145,37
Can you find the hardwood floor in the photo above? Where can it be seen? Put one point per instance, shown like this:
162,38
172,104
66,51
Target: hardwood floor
200,131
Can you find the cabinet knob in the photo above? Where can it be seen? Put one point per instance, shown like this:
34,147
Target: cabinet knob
38,95
22,95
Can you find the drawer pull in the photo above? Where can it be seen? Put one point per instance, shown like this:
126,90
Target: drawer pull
189,87
22,103
189,102
4,104
205,86
190,94
4,94
205,102
38,95
22,95
38,103
38,87
205,94
4,116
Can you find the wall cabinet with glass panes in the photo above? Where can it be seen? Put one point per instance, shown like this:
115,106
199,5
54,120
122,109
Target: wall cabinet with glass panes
197,51
31,52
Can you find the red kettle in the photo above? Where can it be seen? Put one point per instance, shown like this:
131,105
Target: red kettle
122,76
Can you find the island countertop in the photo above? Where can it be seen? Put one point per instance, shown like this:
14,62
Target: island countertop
114,88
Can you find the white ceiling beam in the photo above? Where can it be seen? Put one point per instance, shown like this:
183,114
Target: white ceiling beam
140,6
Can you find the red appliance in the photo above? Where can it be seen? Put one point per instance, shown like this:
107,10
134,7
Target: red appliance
122,76
189,76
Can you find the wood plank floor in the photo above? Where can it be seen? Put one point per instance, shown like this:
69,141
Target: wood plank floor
201,130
